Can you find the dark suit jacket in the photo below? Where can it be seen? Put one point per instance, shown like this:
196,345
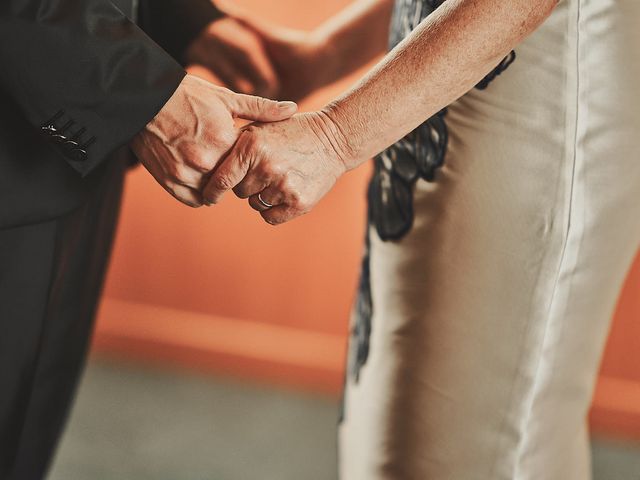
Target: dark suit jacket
78,79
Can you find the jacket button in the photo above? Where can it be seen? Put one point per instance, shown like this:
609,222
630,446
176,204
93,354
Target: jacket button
77,154
49,129
58,138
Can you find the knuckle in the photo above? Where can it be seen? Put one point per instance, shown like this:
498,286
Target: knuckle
303,204
197,158
265,171
202,164
271,169
177,192
250,151
179,173
260,103
290,190
294,199
221,183
247,139
225,139
170,187
242,161
287,183
172,172
252,137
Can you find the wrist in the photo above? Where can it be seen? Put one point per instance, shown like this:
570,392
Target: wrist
345,144
166,116
139,144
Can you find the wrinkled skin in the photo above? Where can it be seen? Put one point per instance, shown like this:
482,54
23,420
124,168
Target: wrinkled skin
291,164
194,130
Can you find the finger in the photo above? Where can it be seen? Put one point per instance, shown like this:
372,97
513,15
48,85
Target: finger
257,67
227,175
180,192
260,109
251,184
187,177
269,195
186,195
230,76
279,214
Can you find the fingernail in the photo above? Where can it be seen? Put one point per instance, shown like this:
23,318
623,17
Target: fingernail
287,105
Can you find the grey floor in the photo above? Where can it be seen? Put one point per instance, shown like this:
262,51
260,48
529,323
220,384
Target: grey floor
133,423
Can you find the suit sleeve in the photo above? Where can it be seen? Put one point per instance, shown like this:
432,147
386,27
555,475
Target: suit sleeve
83,74
174,24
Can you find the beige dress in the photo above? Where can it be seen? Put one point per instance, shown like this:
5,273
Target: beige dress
488,316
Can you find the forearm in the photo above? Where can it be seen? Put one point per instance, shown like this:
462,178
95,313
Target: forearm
449,52
355,36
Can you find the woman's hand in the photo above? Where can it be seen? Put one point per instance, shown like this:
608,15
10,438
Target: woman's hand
302,60
283,168
305,61
235,54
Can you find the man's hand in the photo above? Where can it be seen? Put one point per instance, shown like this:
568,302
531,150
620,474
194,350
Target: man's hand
235,54
291,165
193,131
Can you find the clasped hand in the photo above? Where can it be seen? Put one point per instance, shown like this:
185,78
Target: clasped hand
282,168
284,164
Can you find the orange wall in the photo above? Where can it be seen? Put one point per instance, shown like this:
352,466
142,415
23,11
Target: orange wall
616,406
179,275
225,260
622,358
217,289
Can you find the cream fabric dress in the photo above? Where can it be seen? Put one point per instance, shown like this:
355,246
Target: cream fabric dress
490,314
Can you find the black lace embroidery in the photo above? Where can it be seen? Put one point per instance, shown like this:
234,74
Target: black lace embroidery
396,170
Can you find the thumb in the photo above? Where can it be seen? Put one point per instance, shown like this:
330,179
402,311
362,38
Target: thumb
228,173
260,109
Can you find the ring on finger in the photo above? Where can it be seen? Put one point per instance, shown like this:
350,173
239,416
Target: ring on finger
264,203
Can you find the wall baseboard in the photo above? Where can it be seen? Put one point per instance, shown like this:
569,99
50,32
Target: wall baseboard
616,408
285,356
258,351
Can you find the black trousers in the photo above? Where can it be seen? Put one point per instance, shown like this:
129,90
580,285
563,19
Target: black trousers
51,274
